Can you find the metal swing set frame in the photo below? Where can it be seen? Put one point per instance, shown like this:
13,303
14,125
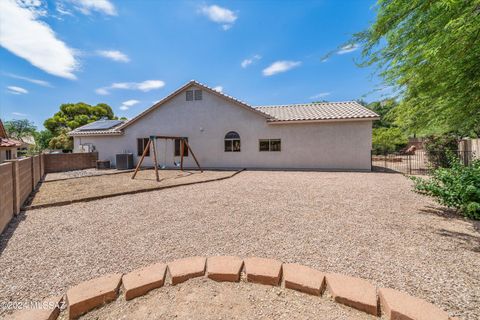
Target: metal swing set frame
152,142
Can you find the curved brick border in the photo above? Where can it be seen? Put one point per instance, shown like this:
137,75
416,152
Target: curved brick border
353,292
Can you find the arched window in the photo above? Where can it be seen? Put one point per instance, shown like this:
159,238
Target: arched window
232,142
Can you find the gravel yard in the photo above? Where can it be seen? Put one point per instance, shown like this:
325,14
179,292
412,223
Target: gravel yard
207,299
80,173
85,187
363,224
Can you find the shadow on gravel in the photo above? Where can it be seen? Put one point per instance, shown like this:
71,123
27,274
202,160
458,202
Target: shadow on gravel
469,241
10,229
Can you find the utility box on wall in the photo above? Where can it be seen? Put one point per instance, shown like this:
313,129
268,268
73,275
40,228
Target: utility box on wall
124,161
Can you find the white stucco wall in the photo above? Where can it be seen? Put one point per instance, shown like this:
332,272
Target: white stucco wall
328,145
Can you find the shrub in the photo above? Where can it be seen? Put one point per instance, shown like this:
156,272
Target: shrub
387,140
457,186
438,147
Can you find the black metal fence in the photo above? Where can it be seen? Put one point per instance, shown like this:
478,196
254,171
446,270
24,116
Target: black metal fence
419,162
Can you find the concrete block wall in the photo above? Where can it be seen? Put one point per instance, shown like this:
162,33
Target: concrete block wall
25,178
59,162
6,194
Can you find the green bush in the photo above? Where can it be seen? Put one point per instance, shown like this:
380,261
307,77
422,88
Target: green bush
457,186
388,140
438,147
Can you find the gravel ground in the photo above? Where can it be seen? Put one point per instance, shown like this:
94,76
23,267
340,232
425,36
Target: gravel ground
79,173
363,224
207,299
93,186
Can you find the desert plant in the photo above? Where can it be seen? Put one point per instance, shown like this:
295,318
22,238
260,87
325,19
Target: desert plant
457,186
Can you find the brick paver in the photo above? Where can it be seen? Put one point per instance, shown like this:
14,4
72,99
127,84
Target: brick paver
354,292
140,281
183,269
264,271
48,311
303,278
397,305
224,268
93,293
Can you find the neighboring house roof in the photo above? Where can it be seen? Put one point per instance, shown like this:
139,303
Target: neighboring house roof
325,111
9,143
318,111
5,141
3,132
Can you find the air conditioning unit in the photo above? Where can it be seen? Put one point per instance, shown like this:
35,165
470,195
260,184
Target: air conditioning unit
124,161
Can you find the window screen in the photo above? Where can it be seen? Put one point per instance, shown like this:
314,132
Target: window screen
198,94
189,95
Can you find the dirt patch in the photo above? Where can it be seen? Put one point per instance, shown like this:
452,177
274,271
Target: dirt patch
207,299
64,191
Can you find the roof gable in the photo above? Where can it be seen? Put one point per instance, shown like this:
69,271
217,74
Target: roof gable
187,86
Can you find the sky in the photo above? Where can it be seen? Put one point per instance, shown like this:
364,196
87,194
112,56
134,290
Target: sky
131,53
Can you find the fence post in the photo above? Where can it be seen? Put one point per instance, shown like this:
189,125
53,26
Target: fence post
16,186
409,164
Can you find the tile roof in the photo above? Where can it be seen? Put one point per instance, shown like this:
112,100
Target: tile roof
9,143
318,111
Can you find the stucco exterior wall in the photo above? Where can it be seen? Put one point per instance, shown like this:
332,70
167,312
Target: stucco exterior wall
343,145
3,154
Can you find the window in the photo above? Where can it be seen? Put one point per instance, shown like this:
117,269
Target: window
8,154
270,144
141,144
177,148
189,95
232,142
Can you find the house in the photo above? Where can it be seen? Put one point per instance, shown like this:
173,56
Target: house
8,147
225,132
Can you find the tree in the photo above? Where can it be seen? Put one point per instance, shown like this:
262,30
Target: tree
42,139
429,51
71,116
74,115
386,110
20,128
387,140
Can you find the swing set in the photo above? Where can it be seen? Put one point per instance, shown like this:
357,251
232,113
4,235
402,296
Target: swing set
152,142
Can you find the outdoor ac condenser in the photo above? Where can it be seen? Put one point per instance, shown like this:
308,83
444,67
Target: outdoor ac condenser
124,161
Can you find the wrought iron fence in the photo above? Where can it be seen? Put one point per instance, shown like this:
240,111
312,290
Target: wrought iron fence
419,162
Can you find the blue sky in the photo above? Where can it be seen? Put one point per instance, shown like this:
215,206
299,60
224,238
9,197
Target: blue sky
132,53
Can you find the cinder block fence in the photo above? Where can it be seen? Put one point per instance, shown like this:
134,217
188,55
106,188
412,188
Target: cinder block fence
20,177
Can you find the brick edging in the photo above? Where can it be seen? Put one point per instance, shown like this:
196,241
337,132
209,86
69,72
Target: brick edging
350,291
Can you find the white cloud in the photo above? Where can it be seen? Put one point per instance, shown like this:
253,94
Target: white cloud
114,55
144,86
87,6
129,103
217,14
31,80
218,88
19,114
245,63
33,40
320,95
348,48
324,60
280,66
17,90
